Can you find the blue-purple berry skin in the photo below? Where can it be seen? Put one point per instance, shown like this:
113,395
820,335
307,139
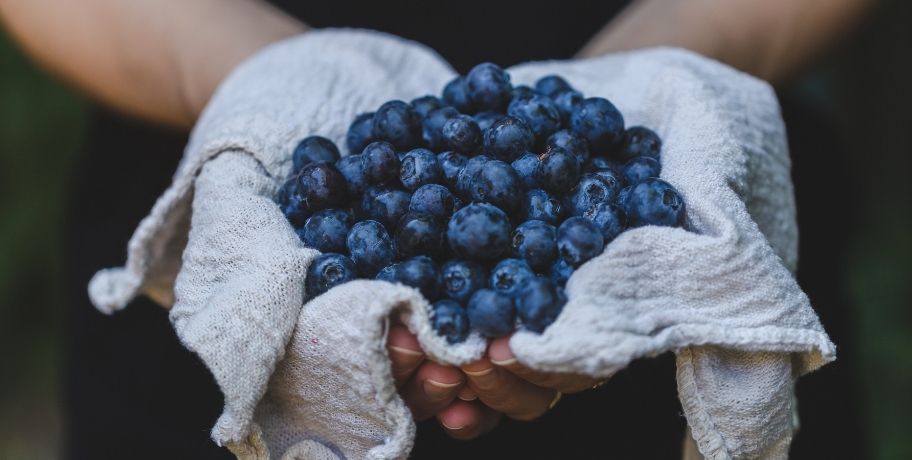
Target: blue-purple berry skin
313,149
599,122
508,138
499,184
370,247
456,94
522,92
535,241
558,171
450,320
422,273
327,271
360,133
578,240
467,174
539,112
487,119
526,166
551,85
654,202
380,163
491,313
591,190
387,207
451,163
488,87
560,272
609,218
479,232
567,102
418,234
425,104
327,230
462,134
432,126
539,304
459,279
399,124
322,186
571,142
352,169
640,141
434,199
541,205
420,167
509,275
641,168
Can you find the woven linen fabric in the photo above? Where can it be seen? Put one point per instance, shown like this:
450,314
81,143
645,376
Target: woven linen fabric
314,382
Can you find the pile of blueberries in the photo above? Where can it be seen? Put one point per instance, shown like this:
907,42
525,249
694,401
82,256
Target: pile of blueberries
485,200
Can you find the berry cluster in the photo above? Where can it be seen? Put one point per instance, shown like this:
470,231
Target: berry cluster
485,200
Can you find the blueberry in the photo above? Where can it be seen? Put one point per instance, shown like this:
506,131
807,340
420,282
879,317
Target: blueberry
578,240
491,313
451,163
399,124
360,133
539,304
327,271
322,186
526,166
434,199
450,321
539,113
560,272
420,272
432,126
654,202
612,177
425,104
509,275
313,149
388,273
370,246
296,209
352,169
461,278
559,170
479,231
640,141
488,87
599,122
588,192
521,92
456,94
567,102
467,174
508,138
535,241
380,163
419,233
499,184
595,163
486,119
622,196
462,134
640,169
550,85
570,142
387,207
326,230
609,218
543,206
286,191
420,167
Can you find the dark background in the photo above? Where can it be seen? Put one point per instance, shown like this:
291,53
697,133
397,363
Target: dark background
850,133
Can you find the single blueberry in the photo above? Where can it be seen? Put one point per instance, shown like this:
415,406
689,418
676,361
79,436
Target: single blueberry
380,163
570,142
509,275
462,134
539,304
491,313
434,199
388,273
535,241
612,177
450,320
360,133
370,247
420,272
327,271
543,206
322,186
425,104
578,240
499,184
558,170
488,87
521,92
296,209
567,102
327,230
550,85
622,197
479,231
609,218
419,234
313,149
560,272
640,169
640,141
539,113
419,167
456,94
432,126
387,207
467,174
352,169
591,190
399,124
451,163
289,188
654,202
461,278
595,163
486,119
508,138
526,166
599,122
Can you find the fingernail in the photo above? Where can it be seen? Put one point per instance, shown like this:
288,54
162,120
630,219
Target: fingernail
451,428
500,354
405,351
506,362
466,394
478,373
435,389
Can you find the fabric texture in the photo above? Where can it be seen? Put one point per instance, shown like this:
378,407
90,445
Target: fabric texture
314,382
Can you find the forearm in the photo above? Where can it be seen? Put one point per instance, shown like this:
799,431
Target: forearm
768,38
157,60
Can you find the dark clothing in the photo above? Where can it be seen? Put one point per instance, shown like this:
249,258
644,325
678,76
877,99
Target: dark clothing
132,391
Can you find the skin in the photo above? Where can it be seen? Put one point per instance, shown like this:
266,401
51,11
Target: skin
161,61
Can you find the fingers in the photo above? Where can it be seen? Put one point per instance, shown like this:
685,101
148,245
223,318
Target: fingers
432,388
467,420
504,392
404,352
500,355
